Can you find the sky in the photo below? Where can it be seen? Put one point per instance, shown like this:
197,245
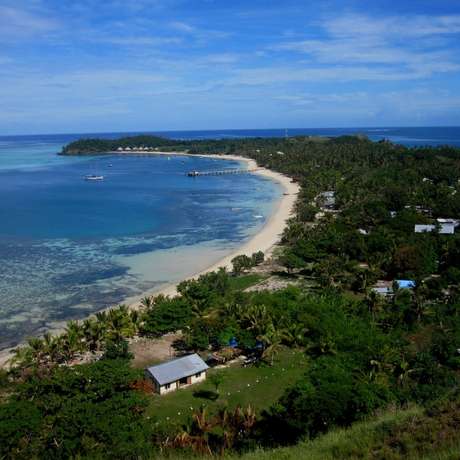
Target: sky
73,66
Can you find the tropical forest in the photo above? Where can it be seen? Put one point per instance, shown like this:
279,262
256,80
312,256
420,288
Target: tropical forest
344,343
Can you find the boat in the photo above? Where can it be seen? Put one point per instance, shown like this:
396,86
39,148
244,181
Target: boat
94,177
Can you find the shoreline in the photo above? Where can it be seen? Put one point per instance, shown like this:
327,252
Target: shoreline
264,240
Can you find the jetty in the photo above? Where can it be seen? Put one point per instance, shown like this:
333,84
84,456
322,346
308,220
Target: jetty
221,172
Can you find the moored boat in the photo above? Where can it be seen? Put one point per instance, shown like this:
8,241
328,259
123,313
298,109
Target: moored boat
94,177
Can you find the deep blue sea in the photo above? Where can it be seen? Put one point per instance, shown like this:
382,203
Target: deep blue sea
69,247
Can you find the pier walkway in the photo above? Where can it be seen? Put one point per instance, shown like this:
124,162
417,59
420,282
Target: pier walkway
221,172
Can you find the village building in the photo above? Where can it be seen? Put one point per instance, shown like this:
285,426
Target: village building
384,291
386,288
445,226
326,200
419,209
178,373
405,284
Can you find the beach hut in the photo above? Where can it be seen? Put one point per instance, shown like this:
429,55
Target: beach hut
178,373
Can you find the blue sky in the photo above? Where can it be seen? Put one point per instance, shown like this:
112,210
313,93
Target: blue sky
135,65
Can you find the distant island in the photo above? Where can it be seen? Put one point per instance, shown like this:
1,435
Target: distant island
150,143
91,146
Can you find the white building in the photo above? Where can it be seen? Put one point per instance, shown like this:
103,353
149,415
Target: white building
446,227
326,199
178,373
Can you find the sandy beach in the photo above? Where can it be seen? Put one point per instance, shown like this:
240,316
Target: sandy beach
264,240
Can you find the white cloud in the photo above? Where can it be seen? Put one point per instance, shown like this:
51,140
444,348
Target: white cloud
419,46
416,104
358,25
17,23
196,32
182,27
289,74
134,40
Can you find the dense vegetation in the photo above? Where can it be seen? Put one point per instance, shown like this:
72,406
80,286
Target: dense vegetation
91,146
365,352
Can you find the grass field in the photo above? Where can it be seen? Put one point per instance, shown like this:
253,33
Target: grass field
259,386
240,283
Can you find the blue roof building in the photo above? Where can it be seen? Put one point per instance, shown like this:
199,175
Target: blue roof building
405,284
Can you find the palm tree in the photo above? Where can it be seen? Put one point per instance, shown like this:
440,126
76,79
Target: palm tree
71,341
374,302
295,334
148,302
120,323
51,347
101,316
22,357
272,344
420,294
197,435
258,319
403,372
94,332
37,349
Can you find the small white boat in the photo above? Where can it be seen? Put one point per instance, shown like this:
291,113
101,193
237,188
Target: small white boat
94,177
258,216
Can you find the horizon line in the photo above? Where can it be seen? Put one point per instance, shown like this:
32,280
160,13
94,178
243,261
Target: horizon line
222,129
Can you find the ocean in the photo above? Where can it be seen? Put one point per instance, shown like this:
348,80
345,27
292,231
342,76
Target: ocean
69,247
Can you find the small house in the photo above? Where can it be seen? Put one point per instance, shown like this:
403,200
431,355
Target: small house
326,199
405,284
444,228
178,373
383,291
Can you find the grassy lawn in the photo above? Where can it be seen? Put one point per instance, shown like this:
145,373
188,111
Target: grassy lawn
259,386
240,283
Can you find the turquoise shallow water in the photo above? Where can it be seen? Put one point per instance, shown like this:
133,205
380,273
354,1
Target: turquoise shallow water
69,247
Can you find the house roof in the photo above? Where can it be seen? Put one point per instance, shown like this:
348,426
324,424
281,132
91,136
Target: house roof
448,221
405,284
383,290
444,228
177,369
